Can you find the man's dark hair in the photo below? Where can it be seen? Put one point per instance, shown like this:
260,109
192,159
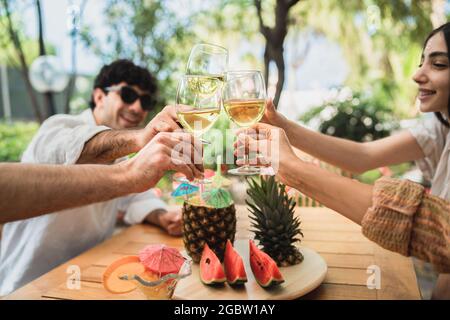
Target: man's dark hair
445,28
124,70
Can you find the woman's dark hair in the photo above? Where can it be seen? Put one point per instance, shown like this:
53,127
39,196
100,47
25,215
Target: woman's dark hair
445,28
124,71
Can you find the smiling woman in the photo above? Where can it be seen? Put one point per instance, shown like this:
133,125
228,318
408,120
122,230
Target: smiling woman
433,74
395,214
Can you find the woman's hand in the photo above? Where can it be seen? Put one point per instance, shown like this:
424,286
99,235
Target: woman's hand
272,146
272,116
349,197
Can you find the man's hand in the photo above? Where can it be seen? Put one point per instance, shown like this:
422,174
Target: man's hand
178,151
109,145
164,121
170,220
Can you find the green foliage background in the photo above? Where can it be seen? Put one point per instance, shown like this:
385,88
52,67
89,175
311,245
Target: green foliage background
356,117
155,34
14,138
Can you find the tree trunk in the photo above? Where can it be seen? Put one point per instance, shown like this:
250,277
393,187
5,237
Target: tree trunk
275,37
23,65
48,96
266,65
279,61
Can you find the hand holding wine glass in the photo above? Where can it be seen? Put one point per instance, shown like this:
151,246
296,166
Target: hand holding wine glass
198,103
199,92
244,98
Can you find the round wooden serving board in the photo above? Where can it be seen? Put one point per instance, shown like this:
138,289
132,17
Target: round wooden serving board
299,279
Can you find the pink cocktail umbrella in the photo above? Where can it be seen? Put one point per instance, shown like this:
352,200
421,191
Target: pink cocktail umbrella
161,259
208,173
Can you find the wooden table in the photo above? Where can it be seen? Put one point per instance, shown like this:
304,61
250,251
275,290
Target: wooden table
338,240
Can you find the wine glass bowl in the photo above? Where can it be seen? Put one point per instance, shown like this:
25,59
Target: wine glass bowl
244,97
199,98
198,106
207,59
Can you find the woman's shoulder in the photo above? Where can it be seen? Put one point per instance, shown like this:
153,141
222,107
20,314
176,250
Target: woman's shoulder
430,130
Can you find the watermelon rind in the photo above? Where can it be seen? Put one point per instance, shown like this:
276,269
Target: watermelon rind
233,263
270,266
211,273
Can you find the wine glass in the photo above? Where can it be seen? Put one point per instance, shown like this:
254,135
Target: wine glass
208,60
244,99
208,63
199,101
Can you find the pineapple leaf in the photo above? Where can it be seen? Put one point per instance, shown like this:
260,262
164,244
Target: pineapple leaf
273,219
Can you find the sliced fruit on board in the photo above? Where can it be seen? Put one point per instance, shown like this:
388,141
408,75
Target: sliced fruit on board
161,259
264,267
211,271
234,266
126,265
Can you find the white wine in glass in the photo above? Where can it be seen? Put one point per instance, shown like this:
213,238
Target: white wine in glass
198,108
244,98
245,113
198,121
198,105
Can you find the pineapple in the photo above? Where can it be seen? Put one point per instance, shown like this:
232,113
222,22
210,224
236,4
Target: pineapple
203,223
273,221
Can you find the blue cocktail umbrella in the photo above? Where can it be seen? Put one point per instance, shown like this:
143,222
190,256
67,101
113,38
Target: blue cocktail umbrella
184,189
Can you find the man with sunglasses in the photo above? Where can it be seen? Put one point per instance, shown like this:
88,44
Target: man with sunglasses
123,95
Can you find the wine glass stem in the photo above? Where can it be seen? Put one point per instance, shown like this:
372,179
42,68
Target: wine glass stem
246,160
246,156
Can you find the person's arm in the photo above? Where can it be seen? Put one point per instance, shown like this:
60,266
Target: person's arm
349,155
28,190
346,196
397,214
107,146
405,219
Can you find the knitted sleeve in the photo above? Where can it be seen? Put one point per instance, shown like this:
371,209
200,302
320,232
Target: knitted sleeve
404,219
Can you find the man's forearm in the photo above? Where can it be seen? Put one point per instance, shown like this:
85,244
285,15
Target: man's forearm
28,190
346,196
107,146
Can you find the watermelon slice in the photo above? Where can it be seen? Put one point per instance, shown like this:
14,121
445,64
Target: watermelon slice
211,271
234,266
264,268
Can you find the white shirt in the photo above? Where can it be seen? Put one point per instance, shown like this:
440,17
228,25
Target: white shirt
32,247
434,139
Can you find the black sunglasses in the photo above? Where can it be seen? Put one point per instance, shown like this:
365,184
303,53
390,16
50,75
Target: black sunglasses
130,95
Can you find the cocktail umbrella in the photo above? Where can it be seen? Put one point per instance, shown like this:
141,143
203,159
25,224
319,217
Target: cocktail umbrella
184,189
161,259
219,198
208,173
